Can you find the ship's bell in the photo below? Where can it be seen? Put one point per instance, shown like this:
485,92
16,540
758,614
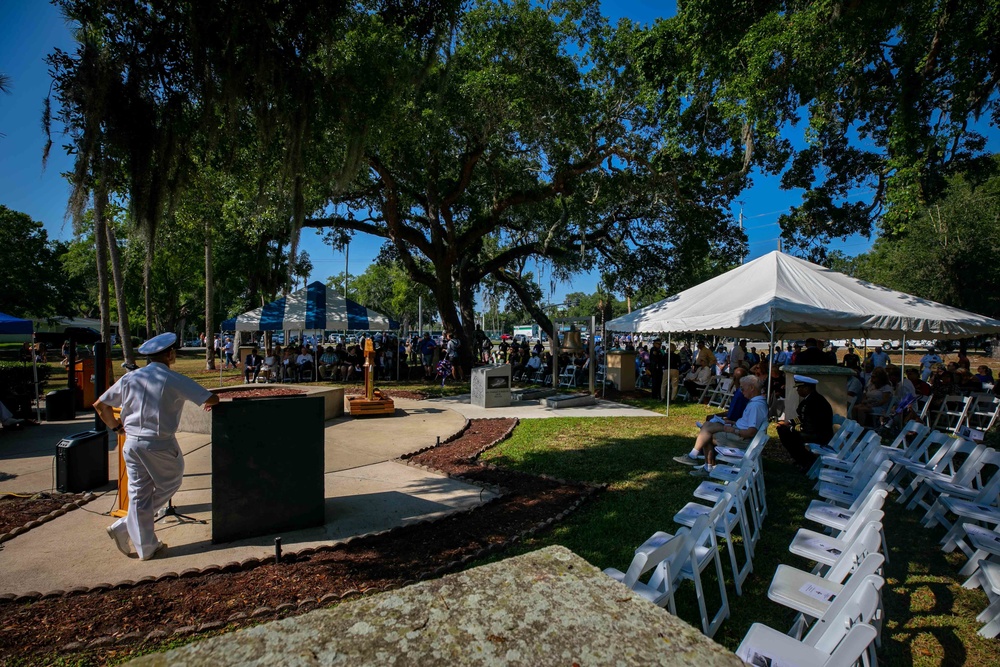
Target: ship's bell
571,341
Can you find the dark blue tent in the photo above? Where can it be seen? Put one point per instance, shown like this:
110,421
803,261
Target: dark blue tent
14,325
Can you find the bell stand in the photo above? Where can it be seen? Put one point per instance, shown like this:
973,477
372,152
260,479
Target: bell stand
591,323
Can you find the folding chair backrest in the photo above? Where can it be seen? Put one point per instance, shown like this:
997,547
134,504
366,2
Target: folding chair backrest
934,445
910,436
868,541
984,411
856,642
858,598
960,460
848,432
876,486
649,556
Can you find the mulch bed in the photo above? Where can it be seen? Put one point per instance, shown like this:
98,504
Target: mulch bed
99,625
18,509
268,392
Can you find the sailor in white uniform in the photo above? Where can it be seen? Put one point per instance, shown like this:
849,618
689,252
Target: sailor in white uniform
150,399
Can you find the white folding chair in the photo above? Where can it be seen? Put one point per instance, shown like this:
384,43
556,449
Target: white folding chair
840,637
835,516
824,548
986,545
734,516
953,412
847,495
957,468
811,595
987,577
983,414
660,554
704,551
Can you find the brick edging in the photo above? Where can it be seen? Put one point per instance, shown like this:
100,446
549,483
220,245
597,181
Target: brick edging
35,523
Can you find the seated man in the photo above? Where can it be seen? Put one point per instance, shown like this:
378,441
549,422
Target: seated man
304,362
715,423
739,434
252,366
328,364
815,423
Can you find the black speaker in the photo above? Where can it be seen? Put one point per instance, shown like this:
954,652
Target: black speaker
82,462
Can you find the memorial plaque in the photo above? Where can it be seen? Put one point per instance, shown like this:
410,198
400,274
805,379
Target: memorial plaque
491,386
267,467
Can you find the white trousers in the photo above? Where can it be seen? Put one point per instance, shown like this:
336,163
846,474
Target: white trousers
155,472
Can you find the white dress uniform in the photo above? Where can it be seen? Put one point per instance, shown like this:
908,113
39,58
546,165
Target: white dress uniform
151,399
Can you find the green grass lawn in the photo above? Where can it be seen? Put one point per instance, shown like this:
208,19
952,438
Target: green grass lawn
930,617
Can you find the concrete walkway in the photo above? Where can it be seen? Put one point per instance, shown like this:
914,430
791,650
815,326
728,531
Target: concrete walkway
366,491
537,409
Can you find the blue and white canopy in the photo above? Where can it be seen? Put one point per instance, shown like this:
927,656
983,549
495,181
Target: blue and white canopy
14,325
315,307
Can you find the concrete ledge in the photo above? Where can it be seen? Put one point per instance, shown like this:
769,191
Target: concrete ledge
569,401
196,420
548,607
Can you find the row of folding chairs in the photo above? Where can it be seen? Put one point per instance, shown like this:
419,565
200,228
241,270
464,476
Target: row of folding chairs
956,483
737,495
837,603
978,410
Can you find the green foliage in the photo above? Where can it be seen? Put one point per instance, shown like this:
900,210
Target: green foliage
31,272
888,92
388,289
947,252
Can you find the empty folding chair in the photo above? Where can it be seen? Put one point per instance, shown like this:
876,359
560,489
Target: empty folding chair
811,595
846,496
835,516
847,434
847,473
987,577
983,414
826,549
957,469
840,637
917,457
734,516
660,554
985,544
712,490
953,413
703,552
980,494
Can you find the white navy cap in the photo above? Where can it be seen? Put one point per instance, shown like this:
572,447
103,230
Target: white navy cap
158,344
803,379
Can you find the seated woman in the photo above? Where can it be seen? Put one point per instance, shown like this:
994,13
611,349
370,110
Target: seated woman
269,367
877,394
984,375
696,380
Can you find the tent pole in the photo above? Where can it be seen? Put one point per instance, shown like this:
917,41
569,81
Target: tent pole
902,361
222,341
772,355
669,383
34,370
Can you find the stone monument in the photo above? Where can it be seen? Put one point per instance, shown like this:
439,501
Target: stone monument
491,386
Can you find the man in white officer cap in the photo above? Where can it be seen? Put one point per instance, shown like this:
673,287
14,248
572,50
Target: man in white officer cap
815,423
150,399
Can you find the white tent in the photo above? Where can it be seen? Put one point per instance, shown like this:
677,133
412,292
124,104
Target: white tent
795,297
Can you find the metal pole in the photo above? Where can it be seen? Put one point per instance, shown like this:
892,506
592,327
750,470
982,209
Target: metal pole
902,361
34,370
420,315
593,343
554,346
670,341
774,357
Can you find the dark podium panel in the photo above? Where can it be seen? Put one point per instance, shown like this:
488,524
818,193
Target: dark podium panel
267,467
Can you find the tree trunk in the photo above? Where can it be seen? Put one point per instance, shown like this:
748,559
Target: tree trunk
101,246
124,328
209,296
147,287
467,305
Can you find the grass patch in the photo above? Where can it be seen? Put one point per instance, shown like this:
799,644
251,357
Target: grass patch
930,617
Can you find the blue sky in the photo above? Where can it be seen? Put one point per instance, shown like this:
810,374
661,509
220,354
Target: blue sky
31,29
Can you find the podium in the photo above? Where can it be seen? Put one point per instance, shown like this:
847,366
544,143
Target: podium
621,369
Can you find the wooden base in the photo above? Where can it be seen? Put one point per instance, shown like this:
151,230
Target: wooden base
362,407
